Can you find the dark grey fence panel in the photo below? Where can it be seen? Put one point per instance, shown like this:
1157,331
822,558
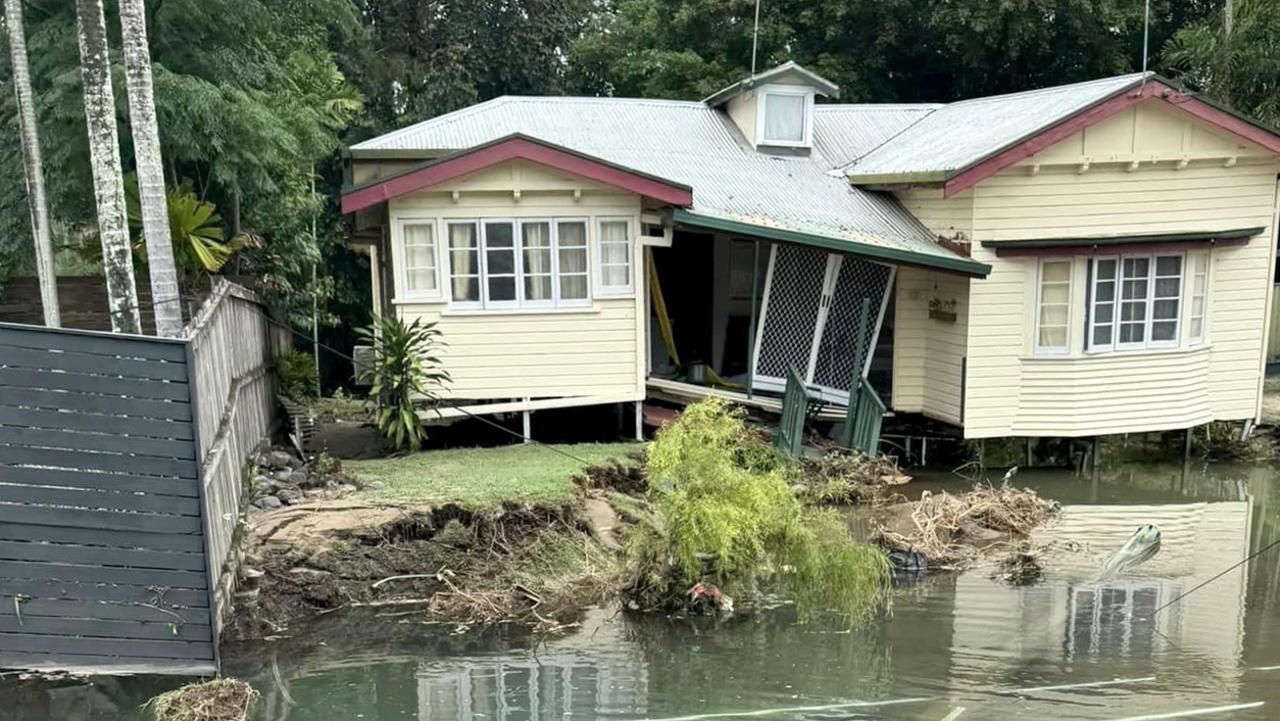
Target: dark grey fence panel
102,559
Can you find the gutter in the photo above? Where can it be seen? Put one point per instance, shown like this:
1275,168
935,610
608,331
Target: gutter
952,264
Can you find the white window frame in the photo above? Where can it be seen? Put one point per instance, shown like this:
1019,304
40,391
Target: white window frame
482,275
1205,256
400,249
585,301
1092,304
1035,340
479,273
1147,343
517,265
602,288
521,275
762,110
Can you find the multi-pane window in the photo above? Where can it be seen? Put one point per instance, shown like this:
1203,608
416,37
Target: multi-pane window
464,262
615,256
1147,309
533,263
1199,274
539,278
420,258
571,258
1053,310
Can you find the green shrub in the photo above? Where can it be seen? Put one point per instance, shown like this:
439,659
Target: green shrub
405,371
726,516
296,377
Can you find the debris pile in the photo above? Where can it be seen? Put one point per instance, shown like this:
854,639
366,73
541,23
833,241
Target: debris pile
950,529
843,477
282,479
630,477
218,700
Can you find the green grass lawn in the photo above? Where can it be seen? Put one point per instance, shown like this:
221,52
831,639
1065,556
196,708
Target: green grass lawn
479,477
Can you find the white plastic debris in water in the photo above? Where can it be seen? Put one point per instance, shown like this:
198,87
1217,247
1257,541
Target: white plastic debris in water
1140,548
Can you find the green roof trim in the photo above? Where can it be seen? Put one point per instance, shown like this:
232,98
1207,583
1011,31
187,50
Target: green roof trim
955,264
1205,236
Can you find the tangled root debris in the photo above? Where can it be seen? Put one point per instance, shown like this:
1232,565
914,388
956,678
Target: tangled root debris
220,700
951,529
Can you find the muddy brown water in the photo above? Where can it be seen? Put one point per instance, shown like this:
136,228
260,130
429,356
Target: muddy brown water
957,647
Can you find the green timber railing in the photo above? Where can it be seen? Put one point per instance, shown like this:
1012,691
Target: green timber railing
795,406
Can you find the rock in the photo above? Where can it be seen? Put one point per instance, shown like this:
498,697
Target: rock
313,493
299,477
288,496
376,486
280,459
267,502
249,573
348,488
283,476
799,489
248,596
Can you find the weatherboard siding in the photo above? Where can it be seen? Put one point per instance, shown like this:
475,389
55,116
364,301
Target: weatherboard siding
1009,391
928,353
593,352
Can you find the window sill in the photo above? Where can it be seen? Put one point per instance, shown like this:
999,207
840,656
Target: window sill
1103,355
483,312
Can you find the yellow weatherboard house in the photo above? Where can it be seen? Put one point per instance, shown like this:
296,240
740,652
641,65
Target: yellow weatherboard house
1074,261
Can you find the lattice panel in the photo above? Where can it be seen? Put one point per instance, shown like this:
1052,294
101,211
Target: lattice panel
791,318
839,345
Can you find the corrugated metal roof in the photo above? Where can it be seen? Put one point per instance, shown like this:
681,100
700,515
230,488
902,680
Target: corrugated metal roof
958,135
844,133
692,144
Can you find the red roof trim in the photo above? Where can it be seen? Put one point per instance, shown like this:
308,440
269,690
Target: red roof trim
513,148
1205,111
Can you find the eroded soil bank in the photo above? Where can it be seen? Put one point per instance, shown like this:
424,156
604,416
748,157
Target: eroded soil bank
541,564
527,563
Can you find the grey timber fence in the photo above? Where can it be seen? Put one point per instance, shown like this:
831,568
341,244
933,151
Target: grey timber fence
121,467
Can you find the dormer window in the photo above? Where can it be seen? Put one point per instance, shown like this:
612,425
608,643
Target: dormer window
785,116
774,109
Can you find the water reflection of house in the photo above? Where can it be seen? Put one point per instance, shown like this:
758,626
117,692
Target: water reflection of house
1001,635
560,678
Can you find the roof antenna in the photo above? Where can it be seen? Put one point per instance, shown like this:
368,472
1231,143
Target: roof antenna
1146,32
755,35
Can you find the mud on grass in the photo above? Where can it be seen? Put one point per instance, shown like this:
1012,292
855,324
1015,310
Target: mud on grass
524,564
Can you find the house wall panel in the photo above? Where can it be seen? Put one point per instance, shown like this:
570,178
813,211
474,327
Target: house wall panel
532,353
928,353
1011,392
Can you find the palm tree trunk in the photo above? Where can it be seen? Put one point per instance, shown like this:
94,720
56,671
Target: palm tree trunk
146,150
32,163
104,158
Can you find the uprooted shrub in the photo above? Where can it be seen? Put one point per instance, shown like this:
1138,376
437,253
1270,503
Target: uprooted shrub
725,517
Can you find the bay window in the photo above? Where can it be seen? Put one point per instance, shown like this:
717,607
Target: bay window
533,263
1053,307
1135,302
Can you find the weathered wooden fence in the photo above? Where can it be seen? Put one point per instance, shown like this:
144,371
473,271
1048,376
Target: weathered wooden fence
121,461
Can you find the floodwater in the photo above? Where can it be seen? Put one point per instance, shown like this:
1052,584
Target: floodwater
963,647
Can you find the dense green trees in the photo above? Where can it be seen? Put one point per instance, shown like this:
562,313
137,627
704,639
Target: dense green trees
254,98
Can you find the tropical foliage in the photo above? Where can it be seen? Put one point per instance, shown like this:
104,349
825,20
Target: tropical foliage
1239,66
198,233
296,377
405,373
725,517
